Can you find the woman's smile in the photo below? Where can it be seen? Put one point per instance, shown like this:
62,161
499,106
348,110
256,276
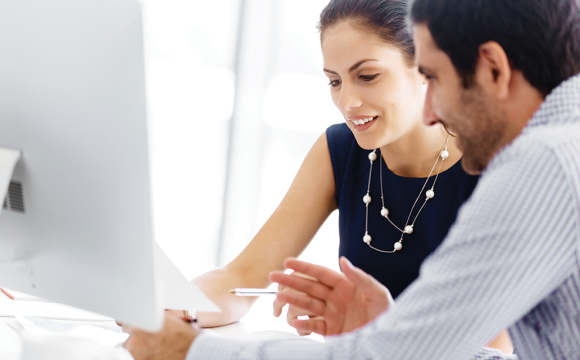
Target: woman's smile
361,123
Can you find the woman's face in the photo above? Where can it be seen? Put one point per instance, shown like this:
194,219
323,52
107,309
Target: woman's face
380,97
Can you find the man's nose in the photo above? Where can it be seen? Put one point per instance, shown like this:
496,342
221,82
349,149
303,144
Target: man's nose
429,116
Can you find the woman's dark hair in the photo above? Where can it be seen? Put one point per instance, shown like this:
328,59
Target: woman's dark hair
540,37
385,18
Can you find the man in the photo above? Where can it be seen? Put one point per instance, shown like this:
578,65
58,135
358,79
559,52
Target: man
503,78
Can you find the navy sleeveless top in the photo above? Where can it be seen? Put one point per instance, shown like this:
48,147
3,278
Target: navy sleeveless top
351,175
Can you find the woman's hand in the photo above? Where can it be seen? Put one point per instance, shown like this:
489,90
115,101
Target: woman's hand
293,311
184,314
341,302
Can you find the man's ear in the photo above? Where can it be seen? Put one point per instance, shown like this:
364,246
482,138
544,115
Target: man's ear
493,71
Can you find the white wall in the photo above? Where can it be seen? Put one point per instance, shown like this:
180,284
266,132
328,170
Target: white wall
193,63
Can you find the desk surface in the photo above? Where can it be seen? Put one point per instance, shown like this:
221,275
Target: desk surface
259,323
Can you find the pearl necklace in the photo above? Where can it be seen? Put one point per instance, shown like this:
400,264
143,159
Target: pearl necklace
408,228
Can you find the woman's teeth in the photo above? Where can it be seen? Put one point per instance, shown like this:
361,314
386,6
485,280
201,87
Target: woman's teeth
363,121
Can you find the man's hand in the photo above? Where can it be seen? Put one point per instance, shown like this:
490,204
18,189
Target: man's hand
171,343
293,311
342,302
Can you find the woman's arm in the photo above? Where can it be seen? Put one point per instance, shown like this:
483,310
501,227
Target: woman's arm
307,204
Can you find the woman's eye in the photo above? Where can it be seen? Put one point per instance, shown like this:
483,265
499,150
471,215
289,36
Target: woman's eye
368,77
334,83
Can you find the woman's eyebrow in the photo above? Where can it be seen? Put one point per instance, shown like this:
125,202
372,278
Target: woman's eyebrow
352,68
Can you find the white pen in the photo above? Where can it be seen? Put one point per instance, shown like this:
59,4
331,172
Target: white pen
253,292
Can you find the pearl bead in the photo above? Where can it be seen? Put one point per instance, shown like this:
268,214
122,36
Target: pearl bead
409,229
367,239
384,212
444,154
398,246
372,156
367,199
430,194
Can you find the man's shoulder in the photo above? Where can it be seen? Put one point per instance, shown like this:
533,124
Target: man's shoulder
557,134
548,142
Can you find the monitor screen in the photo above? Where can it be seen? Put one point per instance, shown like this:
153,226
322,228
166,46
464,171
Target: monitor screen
76,225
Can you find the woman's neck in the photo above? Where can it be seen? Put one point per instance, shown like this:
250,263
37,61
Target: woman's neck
414,154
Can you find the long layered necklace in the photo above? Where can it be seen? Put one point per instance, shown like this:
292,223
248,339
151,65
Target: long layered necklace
409,226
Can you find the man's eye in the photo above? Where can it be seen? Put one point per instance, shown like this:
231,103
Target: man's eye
334,83
368,77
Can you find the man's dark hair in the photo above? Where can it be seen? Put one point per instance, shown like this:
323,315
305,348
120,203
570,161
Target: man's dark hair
540,37
385,18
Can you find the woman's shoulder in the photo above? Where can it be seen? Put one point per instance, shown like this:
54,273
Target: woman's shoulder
348,159
341,142
465,179
339,134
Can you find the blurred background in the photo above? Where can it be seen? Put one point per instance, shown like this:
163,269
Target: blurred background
237,97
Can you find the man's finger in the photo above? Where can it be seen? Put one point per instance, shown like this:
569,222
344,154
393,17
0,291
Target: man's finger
311,287
357,276
311,305
315,325
278,306
293,313
321,273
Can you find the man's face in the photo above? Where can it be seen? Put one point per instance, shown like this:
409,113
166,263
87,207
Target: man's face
469,114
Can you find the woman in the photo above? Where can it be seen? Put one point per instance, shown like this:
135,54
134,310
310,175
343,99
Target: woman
397,184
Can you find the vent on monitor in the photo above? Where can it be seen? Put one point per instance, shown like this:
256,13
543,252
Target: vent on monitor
14,200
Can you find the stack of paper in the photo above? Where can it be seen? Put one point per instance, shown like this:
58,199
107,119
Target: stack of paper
45,310
107,334
10,343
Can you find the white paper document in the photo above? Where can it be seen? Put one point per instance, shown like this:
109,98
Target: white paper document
180,294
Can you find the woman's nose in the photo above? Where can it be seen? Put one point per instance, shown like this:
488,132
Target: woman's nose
349,99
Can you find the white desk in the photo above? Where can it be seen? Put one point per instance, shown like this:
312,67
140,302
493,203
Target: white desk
259,323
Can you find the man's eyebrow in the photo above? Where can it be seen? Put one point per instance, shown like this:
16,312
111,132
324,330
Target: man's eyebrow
423,70
352,68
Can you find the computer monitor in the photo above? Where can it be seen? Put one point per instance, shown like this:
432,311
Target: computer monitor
76,227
